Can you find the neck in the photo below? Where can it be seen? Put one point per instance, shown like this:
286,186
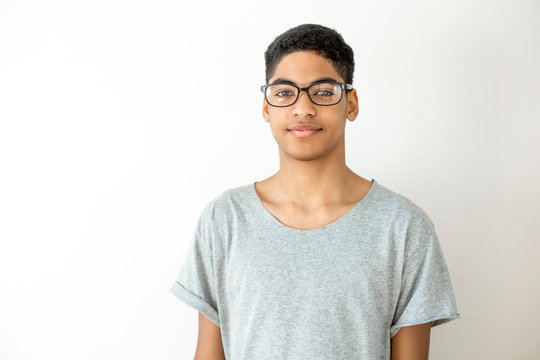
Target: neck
313,183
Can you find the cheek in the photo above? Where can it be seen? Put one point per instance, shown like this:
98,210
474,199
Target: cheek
278,120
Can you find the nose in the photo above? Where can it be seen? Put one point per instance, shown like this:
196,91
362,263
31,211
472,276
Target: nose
303,105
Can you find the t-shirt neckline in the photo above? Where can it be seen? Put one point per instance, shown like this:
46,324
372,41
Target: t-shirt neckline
271,219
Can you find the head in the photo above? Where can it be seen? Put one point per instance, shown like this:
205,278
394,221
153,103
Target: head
301,56
326,42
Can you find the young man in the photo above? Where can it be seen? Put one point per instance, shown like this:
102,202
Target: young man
314,262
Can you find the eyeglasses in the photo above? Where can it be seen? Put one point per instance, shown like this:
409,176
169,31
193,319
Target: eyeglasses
323,93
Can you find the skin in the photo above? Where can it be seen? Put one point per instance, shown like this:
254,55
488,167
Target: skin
411,342
313,186
209,342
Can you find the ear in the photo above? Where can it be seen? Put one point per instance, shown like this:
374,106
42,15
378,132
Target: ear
265,113
352,105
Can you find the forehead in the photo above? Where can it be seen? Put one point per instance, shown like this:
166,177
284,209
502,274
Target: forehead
304,67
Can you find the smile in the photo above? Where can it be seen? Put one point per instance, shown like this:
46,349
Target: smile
304,133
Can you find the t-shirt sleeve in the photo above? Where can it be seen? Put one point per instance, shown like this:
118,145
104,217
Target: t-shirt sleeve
196,285
426,293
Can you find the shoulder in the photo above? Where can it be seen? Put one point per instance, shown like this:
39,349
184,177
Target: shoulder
230,203
405,213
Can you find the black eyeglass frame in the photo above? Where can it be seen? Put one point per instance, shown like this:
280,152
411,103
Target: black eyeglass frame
344,86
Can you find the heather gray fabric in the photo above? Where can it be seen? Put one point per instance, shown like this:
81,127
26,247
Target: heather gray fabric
340,291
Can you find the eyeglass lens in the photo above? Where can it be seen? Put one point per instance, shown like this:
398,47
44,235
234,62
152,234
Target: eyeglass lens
320,94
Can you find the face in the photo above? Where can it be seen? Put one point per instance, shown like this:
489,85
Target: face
303,68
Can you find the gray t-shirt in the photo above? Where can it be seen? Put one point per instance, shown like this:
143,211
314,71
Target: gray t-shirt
340,291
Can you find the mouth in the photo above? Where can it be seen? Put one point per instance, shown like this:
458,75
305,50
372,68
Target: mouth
305,133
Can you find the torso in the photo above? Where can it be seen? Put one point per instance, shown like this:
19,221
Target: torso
295,217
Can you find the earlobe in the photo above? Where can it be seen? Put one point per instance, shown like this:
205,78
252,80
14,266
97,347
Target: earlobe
265,114
352,115
353,106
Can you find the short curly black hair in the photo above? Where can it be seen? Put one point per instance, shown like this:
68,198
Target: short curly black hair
321,39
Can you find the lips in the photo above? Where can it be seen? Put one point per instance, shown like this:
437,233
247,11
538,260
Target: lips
304,130
304,127
304,133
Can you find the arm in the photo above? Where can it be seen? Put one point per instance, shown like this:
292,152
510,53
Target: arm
411,342
209,344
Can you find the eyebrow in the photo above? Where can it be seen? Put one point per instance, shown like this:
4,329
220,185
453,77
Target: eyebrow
286,81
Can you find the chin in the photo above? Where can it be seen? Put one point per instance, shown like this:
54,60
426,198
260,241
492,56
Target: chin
300,155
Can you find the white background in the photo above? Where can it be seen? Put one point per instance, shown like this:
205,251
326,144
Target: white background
118,126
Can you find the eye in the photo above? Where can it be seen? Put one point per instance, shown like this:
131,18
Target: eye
325,93
323,90
284,93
